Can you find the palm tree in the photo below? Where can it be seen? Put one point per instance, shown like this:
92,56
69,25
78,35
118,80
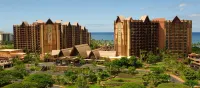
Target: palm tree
142,54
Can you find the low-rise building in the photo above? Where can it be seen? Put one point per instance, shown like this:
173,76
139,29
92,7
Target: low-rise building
5,62
83,51
195,60
6,56
11,53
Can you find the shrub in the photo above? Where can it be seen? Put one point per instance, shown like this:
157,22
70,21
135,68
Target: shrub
152,59
138,64
157,70
191,83
120,80
190,74
131,70
42,80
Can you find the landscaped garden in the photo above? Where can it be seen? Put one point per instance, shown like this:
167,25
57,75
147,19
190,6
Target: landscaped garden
148,71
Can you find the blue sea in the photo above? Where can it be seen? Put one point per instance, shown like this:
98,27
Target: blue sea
110,36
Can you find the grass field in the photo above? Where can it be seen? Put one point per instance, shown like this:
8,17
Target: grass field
116,82
172,85
123,78
93,86
159,64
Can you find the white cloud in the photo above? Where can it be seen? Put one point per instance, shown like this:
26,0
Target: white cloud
182,5
194,15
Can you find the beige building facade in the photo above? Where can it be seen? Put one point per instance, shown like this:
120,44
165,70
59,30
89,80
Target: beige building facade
43,37
131,36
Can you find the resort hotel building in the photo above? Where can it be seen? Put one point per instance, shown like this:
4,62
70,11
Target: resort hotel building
132,36
43,37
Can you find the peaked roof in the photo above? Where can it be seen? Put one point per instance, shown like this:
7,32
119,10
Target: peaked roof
76,24
129,18
66,23
96,53
70,49
55,52
82,27
66,52
24,23
145,18
91,55
176,19
49,21
120,18
82,50
88,52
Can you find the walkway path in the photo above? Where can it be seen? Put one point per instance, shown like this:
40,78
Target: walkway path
57,86
176,79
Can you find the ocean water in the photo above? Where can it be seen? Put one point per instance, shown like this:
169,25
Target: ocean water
195,37
102,35
110,36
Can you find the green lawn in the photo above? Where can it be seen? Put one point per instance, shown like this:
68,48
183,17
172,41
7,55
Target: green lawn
116,82
159,64
123,78
97,86
91,86
172,85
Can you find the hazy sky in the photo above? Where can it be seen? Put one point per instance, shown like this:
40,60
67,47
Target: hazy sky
96,15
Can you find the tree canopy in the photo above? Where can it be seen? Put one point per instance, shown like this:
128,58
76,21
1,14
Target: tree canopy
42,80
191,83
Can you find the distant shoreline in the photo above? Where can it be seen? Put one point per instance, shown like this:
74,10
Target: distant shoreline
113,32
110,36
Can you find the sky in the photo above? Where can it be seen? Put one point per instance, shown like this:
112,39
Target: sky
96,15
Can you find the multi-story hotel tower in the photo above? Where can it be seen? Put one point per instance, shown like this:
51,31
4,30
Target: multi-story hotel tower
133,36
43,37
